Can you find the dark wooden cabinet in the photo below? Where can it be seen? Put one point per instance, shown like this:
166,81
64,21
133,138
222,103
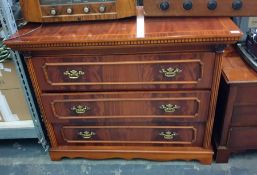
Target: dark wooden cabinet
106,93
236,115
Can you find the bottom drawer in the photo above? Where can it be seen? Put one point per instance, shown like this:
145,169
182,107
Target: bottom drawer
243,137
130,135
244,115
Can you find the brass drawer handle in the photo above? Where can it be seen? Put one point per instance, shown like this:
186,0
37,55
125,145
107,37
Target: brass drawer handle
73,74
170,72
169,108
87,134
168,135
80,109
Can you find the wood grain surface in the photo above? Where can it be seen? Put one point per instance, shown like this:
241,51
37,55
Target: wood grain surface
242,138
189,135
132,152
158,32
118,65
235,70
121,108
236,114
126,72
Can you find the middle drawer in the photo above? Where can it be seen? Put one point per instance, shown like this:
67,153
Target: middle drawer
127,107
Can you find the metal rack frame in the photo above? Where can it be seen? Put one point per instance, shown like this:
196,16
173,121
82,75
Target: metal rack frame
20,129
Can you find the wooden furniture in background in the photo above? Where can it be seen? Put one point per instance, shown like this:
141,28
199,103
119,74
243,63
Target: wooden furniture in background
236,116
106,93
200,8
49,11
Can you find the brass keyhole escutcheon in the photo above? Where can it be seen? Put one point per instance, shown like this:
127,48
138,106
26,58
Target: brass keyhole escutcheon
168,135
80,109
86,134
170,72
73,74
169,108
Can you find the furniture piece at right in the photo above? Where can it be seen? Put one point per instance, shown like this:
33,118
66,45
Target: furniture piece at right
236,114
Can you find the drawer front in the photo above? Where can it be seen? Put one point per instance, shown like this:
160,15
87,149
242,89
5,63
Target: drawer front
244,115
246,94
126,107
134,135
119,72
243,137
245,106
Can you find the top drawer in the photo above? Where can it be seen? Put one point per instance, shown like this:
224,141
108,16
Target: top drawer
124,72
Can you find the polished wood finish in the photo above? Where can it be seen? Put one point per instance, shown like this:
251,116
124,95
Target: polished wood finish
127,107
236,115
199,8
34,12
161,35
131,135
242,137
235,71
244,115
100,73
132,152
110,52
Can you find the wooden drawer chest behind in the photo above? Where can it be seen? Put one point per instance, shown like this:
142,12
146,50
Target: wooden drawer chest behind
236,116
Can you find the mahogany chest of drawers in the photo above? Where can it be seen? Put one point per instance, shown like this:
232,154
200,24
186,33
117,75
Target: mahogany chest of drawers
106,93
236,116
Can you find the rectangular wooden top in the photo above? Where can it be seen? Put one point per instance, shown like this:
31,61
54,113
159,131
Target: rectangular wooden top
236,71
124,32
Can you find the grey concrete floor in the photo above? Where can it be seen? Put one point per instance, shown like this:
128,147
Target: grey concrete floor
26,157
